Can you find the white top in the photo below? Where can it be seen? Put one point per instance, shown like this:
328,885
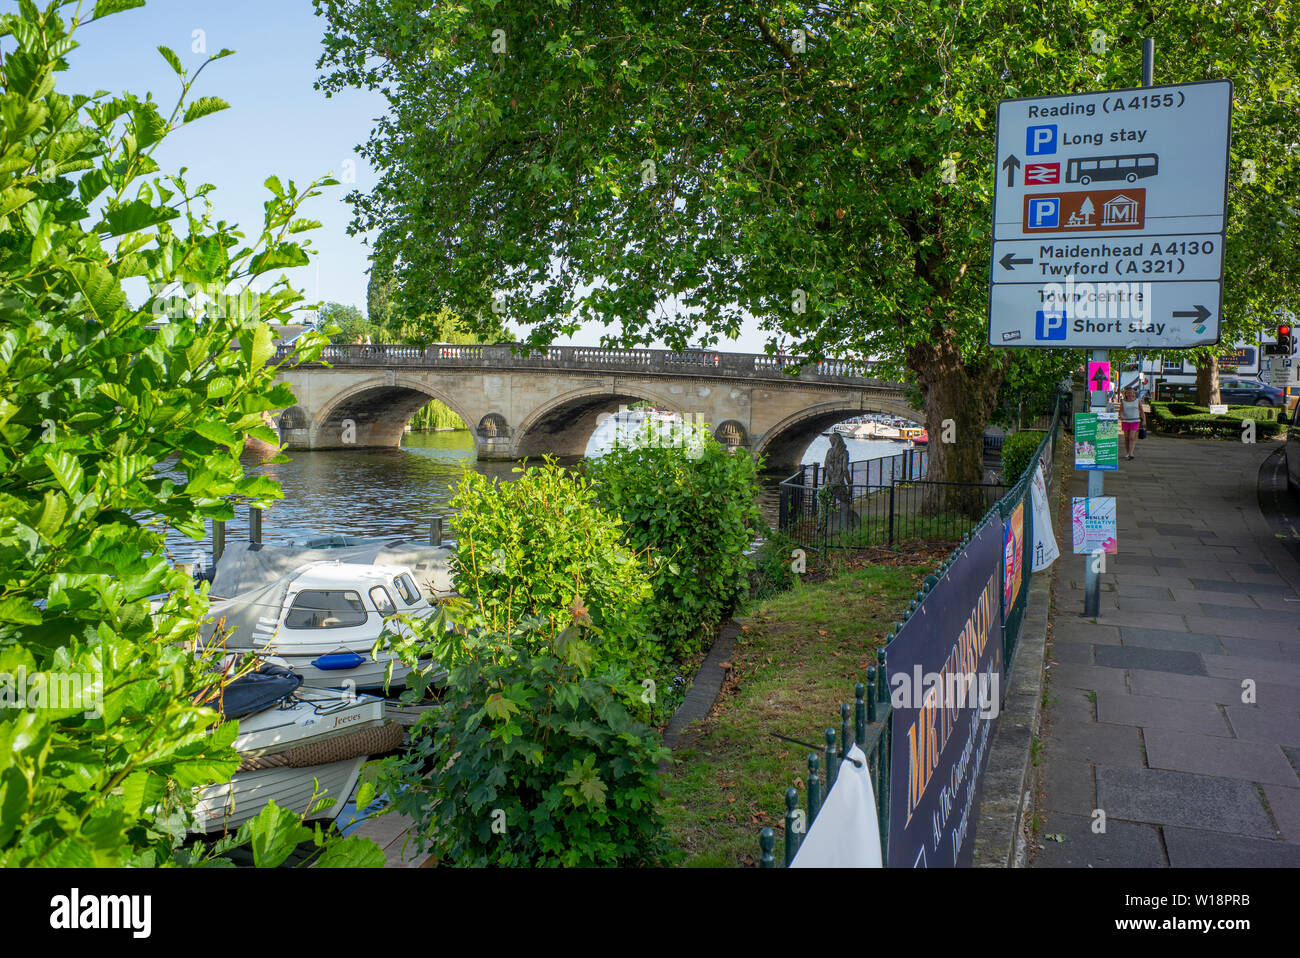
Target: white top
1129,410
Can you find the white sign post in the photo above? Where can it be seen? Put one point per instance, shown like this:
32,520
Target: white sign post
1108,218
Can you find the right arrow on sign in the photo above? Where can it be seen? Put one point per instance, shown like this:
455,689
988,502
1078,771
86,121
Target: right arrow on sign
1009,261
1198,313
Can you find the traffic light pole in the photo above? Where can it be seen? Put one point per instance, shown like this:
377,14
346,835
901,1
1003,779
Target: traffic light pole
1097,478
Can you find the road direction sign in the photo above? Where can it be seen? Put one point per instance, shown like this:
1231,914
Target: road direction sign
1108,218
1280,371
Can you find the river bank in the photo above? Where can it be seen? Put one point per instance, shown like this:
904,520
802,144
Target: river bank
795,661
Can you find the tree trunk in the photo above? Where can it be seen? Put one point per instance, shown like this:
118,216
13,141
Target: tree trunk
1207,382
965,394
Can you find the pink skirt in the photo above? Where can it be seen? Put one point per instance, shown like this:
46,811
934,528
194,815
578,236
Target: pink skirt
1130,426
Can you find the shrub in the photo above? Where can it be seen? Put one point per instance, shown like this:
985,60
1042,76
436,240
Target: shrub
111,431
1166,419
531,760
1018,452
692,506
543,546
773,565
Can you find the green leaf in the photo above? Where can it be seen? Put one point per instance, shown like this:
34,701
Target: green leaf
355,851
259,347
17,609
172,60
500,707
275,833
13,198
104,8
66,471
218,432
135,216
100,288
204,106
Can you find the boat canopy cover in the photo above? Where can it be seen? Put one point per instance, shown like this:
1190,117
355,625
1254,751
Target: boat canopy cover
244,567
240,616
258,690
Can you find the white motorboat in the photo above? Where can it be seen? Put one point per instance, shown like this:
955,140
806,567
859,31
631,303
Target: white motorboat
323,620
304,739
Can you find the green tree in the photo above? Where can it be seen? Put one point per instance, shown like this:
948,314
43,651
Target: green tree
349,321
117,423
667,168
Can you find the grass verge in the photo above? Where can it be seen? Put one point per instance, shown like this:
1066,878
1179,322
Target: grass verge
795,662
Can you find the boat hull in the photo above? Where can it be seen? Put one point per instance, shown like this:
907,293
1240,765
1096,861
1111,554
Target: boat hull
227,806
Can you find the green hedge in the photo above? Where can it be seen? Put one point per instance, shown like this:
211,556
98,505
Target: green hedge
1184,419
1017,452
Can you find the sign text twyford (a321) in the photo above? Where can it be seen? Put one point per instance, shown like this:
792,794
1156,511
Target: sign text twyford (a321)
1108,218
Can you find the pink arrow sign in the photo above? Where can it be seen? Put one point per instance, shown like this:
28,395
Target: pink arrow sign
1099,377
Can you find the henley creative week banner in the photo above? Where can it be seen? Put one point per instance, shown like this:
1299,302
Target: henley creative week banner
945,678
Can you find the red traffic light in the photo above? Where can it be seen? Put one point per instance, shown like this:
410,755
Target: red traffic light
1284,331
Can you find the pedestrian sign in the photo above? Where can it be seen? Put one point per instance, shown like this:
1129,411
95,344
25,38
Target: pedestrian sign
1109,214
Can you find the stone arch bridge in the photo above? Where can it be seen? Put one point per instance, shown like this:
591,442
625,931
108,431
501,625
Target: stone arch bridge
548,402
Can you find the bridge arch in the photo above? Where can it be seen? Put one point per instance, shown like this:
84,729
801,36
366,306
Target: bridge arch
564,425
378,410
783,444
732,434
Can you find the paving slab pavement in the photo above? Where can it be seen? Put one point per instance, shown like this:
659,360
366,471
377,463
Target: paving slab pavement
1171,736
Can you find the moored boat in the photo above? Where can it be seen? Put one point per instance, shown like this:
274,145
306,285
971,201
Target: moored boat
323,619
295,743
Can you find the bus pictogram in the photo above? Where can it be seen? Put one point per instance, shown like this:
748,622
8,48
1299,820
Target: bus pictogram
1129,168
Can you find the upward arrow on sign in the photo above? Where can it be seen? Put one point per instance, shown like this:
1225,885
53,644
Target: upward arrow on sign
1101,382
1011,164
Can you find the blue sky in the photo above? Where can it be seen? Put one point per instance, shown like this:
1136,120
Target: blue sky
277,122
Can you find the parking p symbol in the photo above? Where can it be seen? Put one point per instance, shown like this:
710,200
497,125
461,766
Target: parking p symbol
1050,324
1044,213
1040,139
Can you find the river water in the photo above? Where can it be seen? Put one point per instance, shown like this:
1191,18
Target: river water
396,492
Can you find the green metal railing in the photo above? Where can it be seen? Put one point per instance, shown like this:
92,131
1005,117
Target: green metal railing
873,715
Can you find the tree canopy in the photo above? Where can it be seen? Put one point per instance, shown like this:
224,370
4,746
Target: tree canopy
668,168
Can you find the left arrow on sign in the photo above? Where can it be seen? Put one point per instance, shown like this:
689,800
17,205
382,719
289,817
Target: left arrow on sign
1011,164
1010,261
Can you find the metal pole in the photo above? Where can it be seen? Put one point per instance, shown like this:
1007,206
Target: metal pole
218,539
255,526
1096,478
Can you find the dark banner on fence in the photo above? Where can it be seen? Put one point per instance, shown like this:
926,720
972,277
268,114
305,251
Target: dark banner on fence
945,681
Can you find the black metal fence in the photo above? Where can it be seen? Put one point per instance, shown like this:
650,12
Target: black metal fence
887,500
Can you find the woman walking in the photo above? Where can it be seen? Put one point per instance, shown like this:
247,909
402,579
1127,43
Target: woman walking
1131,418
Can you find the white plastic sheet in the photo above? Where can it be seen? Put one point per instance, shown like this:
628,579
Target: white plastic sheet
846,832
1045,547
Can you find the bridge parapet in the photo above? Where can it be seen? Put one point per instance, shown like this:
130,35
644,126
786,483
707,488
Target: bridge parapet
691,362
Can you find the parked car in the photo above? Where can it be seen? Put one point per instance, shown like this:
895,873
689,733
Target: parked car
1249,392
